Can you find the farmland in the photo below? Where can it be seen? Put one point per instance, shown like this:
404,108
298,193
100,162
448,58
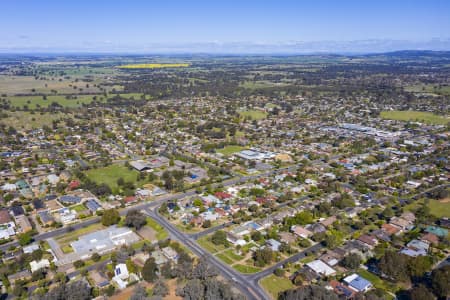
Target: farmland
153,66
33,102
429,88
29,120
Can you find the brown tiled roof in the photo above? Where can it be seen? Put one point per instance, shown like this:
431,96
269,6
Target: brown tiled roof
4,217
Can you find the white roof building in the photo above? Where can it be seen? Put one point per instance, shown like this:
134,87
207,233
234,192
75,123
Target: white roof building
9,187
321,268
36,265
53,179
121,275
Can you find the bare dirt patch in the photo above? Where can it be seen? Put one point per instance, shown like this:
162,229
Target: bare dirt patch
172,284
147,233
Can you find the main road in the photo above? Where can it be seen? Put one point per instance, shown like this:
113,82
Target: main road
251,290
248,284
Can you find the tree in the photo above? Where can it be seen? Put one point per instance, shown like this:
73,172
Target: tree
394,265
219,238
135,219
203,270
166,270
420,292
25,238
149,270
110,217
440,281
279,272
256,236
206,224
78,290
263,257
193,289
95,257
160,288
139,293
78,264
38,275
351,261
37,254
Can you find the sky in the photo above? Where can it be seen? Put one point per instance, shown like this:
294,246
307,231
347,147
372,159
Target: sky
140,26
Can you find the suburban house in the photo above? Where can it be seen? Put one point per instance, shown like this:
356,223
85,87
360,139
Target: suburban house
320,268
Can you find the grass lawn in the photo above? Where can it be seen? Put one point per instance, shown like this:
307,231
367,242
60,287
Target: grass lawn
161,233
273,285
307,259
248,246
78,208
67,249
246,269
260,84
231,149
231,254
110,174
229,257
377,281
420,116
439,208
208,245
253,114
223,257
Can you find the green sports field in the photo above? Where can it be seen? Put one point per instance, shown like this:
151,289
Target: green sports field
419,116
253,114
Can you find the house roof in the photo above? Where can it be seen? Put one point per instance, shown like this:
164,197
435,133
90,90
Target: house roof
46,217
301,231
17,210
321,268
92,205
367,239
70,199
439,231
430,237
4,216
357,282
390,229
418,245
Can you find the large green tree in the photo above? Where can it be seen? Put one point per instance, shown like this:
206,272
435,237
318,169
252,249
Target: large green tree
110,217
149,270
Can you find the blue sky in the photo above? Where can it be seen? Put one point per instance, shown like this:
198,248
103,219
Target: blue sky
101,24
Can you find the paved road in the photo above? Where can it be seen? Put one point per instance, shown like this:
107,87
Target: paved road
250,290
197,235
